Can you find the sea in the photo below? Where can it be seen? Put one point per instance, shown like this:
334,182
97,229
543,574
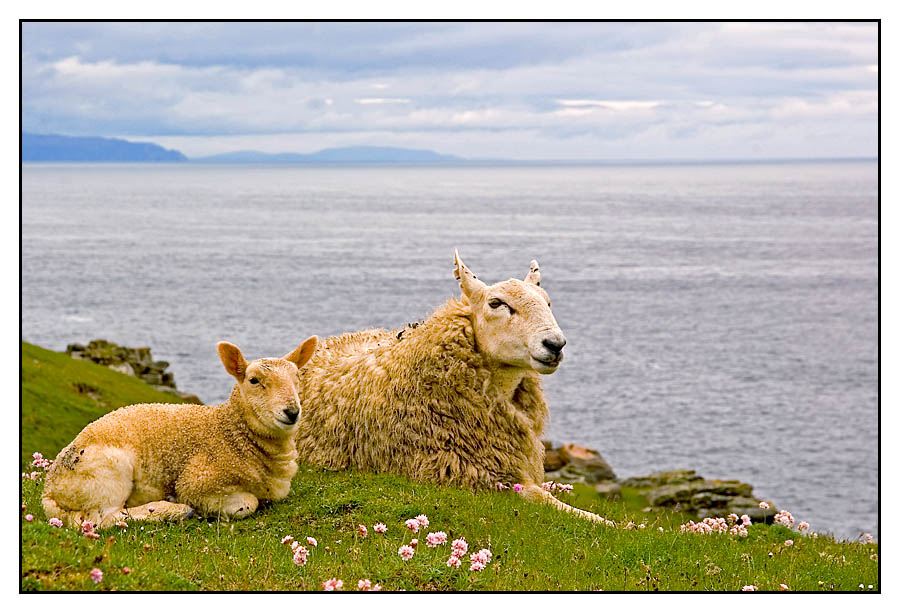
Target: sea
719,317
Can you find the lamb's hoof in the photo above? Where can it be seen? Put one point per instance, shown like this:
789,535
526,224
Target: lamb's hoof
189,514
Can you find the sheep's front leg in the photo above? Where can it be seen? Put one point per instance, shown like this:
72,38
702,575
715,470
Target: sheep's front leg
231,506
536,493
161,510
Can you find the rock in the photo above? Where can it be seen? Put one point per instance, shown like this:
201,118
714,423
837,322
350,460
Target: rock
587,462
552,460
743,505
123,367
548,445
662,478
682,493
609,489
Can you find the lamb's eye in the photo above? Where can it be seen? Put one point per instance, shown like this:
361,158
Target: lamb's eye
495,303
254,380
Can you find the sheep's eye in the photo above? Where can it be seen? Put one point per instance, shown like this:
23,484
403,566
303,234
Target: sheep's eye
254,380
495,303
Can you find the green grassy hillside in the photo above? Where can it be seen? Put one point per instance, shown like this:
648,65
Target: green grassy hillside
534,547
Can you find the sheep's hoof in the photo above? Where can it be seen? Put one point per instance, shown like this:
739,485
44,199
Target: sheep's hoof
189,514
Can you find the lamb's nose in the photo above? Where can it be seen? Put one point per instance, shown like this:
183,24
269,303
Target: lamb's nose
555,343
292,413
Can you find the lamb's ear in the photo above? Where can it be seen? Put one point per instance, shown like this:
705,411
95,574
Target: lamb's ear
534,274
233,360
468,282
301,354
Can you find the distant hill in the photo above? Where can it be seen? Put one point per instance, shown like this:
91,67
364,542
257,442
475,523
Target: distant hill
59,148
341,155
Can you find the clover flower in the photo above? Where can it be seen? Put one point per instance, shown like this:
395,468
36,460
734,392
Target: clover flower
802,526
413,524
406,552
423,520
784,518
300,555
788,543
96,575
29,517
454,561
312,542
55,522
436,538
518,487
364,585
379,528
459,547
763,505
363,531
749,588
332,585
287,540
783,587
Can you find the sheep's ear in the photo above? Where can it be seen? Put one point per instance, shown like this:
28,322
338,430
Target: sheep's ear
468,282
534,274
301,354
233,360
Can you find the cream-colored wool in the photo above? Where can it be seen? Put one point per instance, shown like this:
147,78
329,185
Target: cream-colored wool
165,461
456,399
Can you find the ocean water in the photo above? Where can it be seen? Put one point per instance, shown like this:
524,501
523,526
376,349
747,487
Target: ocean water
719,317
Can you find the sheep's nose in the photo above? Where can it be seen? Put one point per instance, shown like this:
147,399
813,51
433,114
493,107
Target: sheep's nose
292,413
555,343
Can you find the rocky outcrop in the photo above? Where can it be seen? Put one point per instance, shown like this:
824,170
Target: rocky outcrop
576,464
134,361
688,492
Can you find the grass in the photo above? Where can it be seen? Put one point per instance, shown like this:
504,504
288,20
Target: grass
534,547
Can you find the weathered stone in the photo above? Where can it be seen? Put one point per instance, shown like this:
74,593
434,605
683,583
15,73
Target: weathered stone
682,493
588,461
609,489
743,505
709,500
548,445
662,478
552,460
123,367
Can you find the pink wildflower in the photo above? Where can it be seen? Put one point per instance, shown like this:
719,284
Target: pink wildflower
332,585
783,587
406,552
379,528
788,543
749,588
480,559
459,547
802,526
413,524
92,535
87,526
96,575
37,456
126,570
547,485
300,555
423,520
121,524
763,505
476,565
784,518
867,538
364,585
363,531
376,588
287,540
55,522
501,486
23,506
732,518
565,487
874,557
518,487
454,561
29,517
414,543
436,538
745,519
312,542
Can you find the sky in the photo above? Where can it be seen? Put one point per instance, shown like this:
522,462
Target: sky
604,91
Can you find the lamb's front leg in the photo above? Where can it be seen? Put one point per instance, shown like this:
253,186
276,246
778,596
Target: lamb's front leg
233,505
536,493
161,510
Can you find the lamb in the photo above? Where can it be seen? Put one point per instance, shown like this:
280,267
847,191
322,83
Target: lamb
456,399
166,461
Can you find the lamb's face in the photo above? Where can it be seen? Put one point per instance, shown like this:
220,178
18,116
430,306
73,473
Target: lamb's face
270,394
269,386
512,320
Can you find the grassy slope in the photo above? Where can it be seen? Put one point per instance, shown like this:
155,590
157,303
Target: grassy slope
535,547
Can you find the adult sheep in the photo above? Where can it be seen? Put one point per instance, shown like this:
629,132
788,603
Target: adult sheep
455,399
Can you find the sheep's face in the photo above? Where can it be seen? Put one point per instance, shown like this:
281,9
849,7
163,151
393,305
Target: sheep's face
512,320
269,386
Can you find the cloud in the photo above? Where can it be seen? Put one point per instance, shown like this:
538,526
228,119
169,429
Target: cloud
648,89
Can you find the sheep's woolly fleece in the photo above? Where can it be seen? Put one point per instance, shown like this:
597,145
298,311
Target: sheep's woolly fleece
415,402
